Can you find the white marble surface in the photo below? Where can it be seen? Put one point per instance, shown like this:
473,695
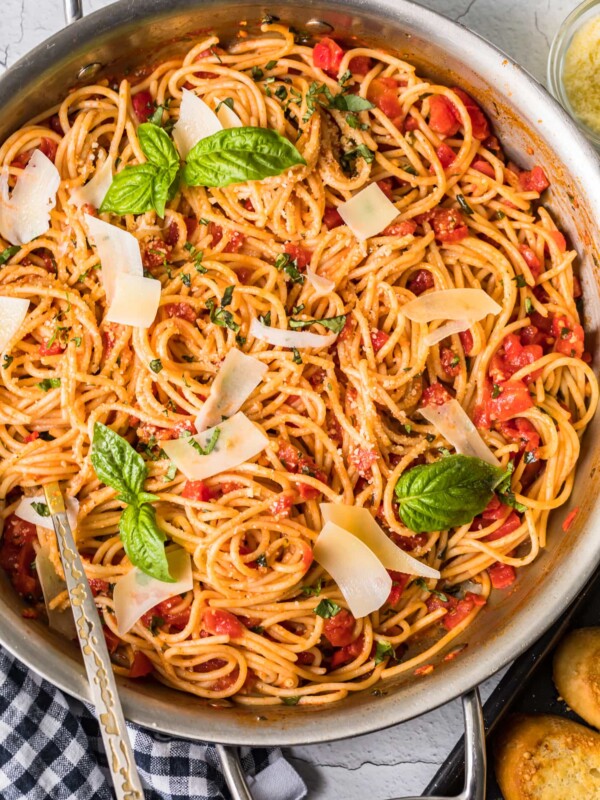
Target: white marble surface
401,760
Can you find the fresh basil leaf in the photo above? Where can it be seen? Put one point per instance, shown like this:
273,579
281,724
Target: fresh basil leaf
334,324
157,146
235,155
131,190
41,509
117,464
447,493
350,102
8,253
144,541
383,650
162,189
327,609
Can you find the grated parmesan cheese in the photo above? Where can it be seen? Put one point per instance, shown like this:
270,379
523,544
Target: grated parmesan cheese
581,74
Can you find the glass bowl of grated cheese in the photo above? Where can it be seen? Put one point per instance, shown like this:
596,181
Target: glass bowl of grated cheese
574,67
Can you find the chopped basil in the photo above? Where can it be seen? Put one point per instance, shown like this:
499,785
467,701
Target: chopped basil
528,305
185,279
285,263
313,591
197,255
383,650
496,391
210,445
257,629
219,314
265,318
41,509
499,214
46,437
348,159
156,365
296,356
520,281
8,253
262,560
7,361
334,324
228,101
290,701
77,340
327,609
227,296
170,473
270,65
298,309
256,73
420,582
464,205
49,383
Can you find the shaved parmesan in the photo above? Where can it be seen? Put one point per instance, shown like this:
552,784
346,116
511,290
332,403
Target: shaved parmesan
25,510
360,523
13,311
453,422
360,575
298,339
118,251
26,213
321,285
227,116
368,212
236,380
135,301
94,191
196,121
52,585
447,329
459,304
136,592
239,440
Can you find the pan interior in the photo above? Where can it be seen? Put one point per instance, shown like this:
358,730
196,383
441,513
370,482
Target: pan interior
533,129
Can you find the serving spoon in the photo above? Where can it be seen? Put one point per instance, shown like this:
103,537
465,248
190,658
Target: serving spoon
103,686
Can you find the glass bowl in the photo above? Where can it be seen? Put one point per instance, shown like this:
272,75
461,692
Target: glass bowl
556,59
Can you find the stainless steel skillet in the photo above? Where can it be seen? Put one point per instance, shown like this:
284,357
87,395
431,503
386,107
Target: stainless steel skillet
535,130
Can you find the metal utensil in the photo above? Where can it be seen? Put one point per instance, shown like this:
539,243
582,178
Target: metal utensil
103,686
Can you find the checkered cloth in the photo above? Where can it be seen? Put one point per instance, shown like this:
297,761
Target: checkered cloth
51,749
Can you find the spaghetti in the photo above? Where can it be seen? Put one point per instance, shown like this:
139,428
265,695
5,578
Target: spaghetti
342,422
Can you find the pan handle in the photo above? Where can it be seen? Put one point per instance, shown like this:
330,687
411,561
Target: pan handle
475,758
73,10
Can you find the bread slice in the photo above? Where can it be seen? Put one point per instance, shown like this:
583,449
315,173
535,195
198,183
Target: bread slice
547,758
577,673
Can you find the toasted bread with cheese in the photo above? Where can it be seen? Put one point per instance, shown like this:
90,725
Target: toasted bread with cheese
577,673
547,758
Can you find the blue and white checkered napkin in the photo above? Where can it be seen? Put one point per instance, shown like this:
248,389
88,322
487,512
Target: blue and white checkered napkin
50,749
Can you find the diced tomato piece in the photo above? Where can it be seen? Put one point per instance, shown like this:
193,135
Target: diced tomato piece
494,510
512,522
450,362
570,519
449,225
410,123
143,105
208,76
442,115
327,55
55,349
197,490
17,555
502,575
307,555
363,459
560,240
332,218
165,611
347,653
299,254
112,640
383,93
109,337
181,311
466,339
339,630
405,228
569,337
457,610
222,623
409,543
145,431
446,155
172,234
522,431
48,147
513,398
235,243
348,329
421,281
531,260
31,437
141,666
98,586
385,184
360,65
191,225
399,583
248,204
435,395
379,339
479,123
533,180
215,232
484,166
281,506
22,159
210,666
155,253
513,356
289,455
308,492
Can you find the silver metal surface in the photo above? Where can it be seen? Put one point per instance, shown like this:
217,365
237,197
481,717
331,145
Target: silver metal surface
233,772
73,11
102,683
534,129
